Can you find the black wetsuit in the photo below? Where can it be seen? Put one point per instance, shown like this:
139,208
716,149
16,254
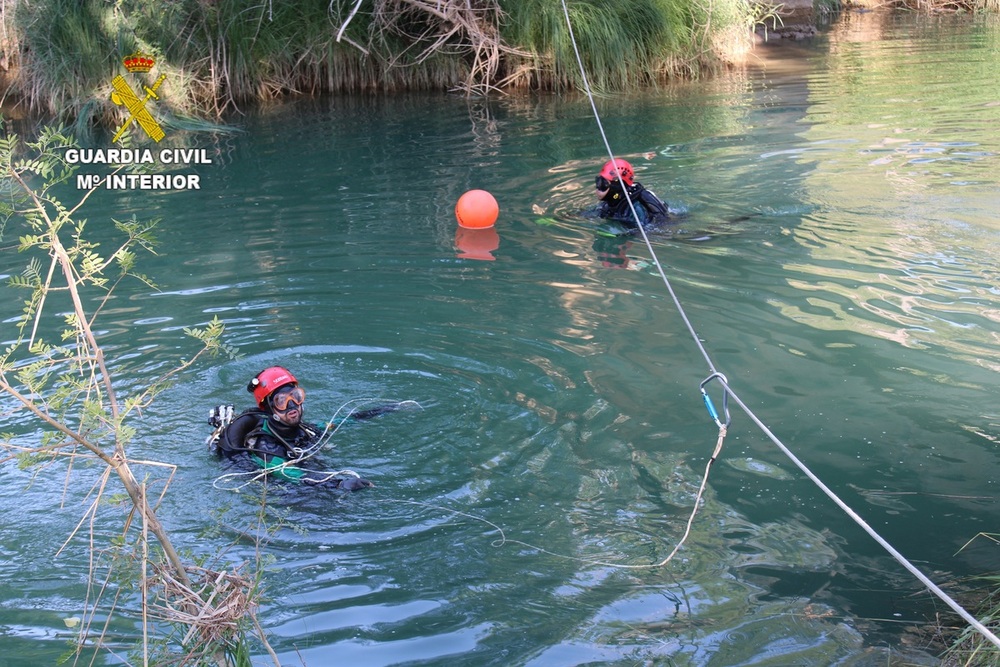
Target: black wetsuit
278,448
648,207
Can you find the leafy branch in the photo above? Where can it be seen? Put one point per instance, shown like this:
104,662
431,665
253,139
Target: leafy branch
67,386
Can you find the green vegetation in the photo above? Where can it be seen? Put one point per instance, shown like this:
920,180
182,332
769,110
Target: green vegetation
969,648
59,56
930,5
651,41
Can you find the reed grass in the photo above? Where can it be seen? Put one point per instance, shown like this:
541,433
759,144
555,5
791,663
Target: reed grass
968,647
971,649
958,6
70,52
622,45
233,51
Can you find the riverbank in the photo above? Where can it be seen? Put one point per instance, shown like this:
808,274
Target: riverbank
58,58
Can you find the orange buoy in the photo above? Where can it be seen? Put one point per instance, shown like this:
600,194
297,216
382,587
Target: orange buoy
477,209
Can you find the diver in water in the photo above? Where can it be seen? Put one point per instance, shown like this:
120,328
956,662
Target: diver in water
616,178
274,434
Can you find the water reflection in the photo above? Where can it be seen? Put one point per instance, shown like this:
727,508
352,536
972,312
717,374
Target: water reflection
477,243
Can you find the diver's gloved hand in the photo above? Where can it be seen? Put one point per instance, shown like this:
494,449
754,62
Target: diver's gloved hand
354,484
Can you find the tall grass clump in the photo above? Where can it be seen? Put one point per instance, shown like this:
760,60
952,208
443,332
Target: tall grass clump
61,56
622,45
231,51
64,55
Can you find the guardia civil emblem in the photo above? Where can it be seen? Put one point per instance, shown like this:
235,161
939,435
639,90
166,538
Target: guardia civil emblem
124,96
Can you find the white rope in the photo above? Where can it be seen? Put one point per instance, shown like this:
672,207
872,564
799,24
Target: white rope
332,426
957,608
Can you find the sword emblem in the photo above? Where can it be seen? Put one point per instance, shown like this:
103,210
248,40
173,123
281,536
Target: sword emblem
124,96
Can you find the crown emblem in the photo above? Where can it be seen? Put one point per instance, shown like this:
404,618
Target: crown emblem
137,62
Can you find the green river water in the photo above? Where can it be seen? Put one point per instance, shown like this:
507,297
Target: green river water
835,251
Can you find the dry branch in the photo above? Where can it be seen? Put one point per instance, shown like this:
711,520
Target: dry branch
211,604
466,27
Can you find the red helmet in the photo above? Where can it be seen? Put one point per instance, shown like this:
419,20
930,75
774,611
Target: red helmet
618,169
267,382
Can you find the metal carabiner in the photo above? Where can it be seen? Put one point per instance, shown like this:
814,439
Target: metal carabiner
725,399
